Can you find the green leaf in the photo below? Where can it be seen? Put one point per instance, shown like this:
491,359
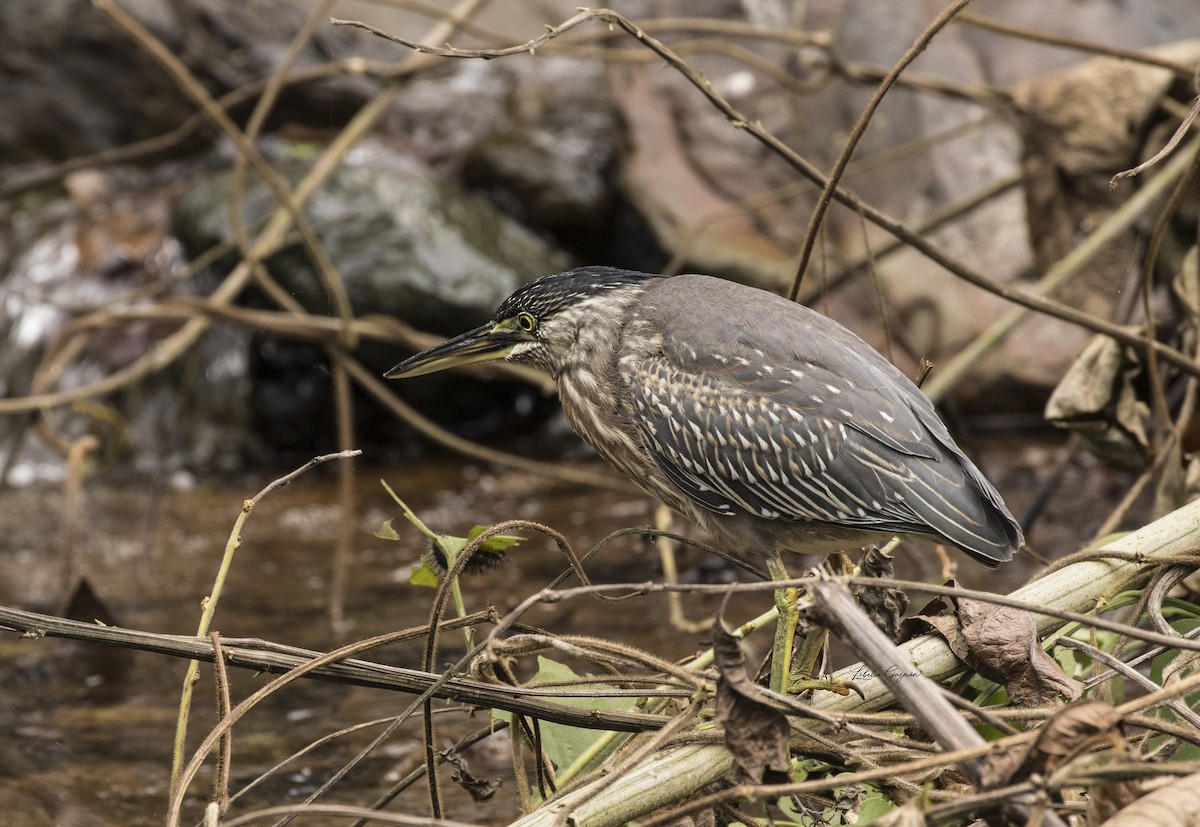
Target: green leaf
874,805
447,545
386,532
857,806
408,512
566,744
450,546
493,545
425,575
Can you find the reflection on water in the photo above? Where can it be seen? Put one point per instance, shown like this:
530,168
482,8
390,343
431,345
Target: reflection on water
93,725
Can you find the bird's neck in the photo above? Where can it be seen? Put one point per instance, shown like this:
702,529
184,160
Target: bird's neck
592,386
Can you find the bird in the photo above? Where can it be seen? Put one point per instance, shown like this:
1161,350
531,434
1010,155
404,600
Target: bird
771,426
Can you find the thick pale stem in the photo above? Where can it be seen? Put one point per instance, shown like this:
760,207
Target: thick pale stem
679,772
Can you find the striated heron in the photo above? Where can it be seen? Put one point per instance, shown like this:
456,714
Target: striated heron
771,426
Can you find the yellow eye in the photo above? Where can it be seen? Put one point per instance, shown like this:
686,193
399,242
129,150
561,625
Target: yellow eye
526,322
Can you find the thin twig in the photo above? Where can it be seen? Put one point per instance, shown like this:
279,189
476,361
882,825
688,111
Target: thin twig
1162,153
1116,665
214,596
225,755
347,498
1088,46
860,127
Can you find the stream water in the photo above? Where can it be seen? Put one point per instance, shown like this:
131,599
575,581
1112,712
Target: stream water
86,730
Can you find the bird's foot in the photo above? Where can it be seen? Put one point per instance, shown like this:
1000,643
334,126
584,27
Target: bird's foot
829,684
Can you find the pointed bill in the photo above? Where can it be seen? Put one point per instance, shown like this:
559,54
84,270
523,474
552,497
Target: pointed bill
485,343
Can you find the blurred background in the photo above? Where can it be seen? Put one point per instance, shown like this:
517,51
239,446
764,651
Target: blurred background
172,339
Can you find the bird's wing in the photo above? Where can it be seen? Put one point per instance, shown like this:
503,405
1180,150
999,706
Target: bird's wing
795,456
732,451
788,415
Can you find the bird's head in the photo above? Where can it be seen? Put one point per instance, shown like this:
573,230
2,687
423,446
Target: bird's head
541,324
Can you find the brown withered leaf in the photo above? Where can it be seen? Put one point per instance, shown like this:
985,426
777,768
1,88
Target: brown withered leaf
1097,401
1105,800
919,623
1001,644
755,732
999,766
1006,640
884,605
1175,805
1072,727
480,789
1068,731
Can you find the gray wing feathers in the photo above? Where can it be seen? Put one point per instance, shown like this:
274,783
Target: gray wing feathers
777,422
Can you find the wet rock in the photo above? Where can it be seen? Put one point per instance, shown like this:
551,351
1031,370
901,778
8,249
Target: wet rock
553,158
404,243
72,82
108,246
542,138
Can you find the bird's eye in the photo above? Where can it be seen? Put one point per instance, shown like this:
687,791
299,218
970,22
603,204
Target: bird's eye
526,322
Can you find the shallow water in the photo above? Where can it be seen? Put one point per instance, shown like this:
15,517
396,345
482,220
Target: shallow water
91,726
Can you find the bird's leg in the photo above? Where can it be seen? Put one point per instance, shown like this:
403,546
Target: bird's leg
808,656
785,626
804,667
801,678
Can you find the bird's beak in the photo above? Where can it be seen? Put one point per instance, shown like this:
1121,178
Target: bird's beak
485,343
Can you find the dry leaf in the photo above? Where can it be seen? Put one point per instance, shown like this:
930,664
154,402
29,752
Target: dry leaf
756,733
1175,805
1001,644
1096,401
480,789
1070,730
1106,800
884,605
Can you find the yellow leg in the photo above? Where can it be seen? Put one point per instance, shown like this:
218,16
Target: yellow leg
808,653
807,660
785,626
805,663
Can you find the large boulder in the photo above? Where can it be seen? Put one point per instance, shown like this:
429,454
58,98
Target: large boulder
73,83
